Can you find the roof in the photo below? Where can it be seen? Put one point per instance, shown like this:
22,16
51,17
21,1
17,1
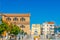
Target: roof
50,22
17,15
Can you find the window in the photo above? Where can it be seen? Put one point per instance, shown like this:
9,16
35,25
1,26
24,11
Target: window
53,34
51,28
35,33
8,19
22,26
47,25
15,19
22,19
51,25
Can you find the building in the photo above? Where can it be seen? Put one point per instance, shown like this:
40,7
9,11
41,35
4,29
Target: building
36,29
48,28
21,20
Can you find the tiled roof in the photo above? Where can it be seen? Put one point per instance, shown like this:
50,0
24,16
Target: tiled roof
50,22
17,15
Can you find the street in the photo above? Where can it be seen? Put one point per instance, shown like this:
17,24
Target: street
28,37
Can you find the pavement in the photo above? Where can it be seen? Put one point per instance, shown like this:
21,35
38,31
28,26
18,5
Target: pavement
32,38
41,38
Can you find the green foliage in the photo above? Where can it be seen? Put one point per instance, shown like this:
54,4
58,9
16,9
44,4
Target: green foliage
21,32
3,27
0,19
6,27
1,30
15,30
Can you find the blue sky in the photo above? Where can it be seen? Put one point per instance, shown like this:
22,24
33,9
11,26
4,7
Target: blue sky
40,10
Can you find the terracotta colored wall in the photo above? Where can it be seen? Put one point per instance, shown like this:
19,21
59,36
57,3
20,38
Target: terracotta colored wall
26,23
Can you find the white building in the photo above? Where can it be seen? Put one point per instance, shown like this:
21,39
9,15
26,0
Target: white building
36,29
48,28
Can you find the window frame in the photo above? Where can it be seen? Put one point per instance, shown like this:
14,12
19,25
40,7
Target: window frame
22,26
15,19
8,19
22,19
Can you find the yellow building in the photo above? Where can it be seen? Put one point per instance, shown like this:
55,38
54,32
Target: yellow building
21,20
36,29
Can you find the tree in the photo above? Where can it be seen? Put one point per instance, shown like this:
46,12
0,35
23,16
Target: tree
5,26
3,29
14,30
21,32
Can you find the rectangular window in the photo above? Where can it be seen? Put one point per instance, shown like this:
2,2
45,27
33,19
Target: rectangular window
51,28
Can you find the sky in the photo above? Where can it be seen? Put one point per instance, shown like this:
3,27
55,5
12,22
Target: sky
40,10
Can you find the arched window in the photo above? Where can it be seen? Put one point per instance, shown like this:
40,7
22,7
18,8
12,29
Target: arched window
36,32
22,19
8,19
22,26
15,19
